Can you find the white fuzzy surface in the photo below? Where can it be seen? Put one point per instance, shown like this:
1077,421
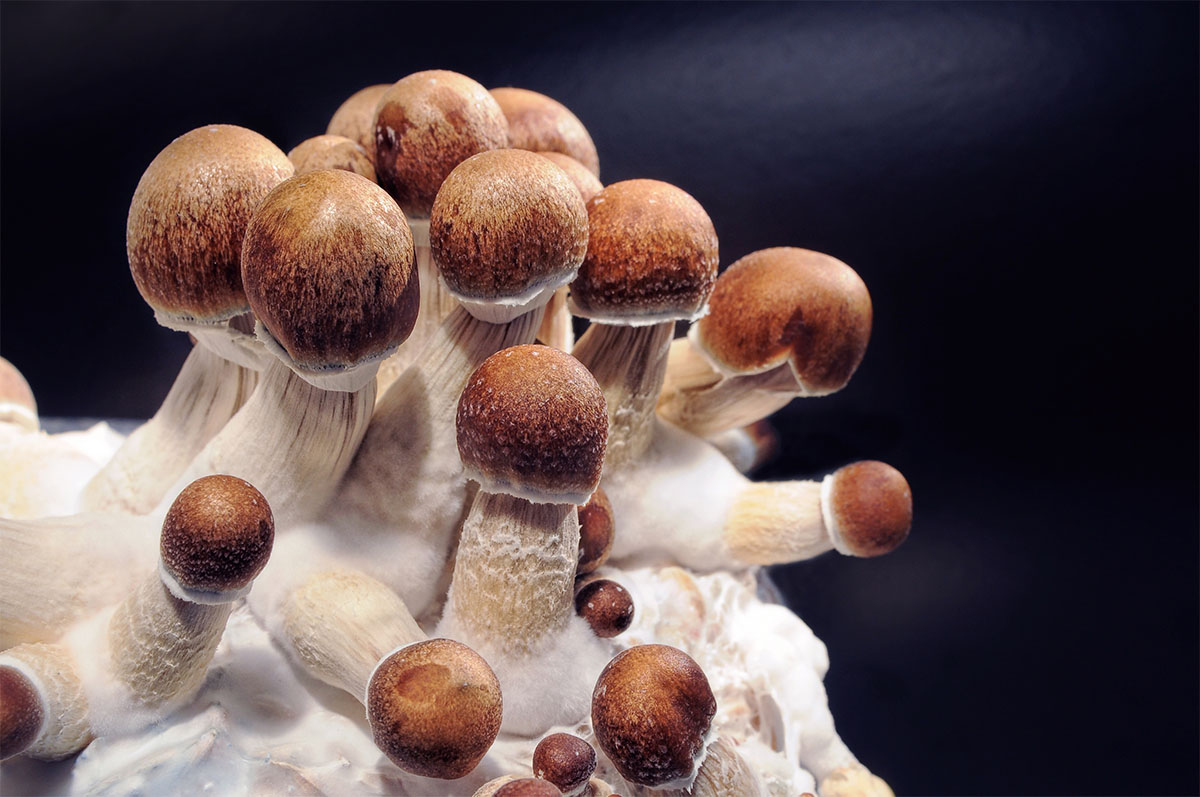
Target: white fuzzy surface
43,475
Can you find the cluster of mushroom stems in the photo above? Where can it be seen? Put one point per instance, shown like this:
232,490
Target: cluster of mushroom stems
386,397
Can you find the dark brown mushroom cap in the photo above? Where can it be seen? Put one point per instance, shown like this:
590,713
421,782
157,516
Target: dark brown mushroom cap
506,222
21,713
328,268
565,760
434,708
596,532
331,152
189,214
425,125
652,253
586,182
534,419
528,787
606,606
13,387
871,507
217,535
541,124
355,118
786,303
651,710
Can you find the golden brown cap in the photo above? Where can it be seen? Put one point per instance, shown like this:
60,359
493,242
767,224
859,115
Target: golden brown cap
21,713
425,125
189,214
532,422
331,152
328,268
541,124
565,760
606,606
17,404
217,535
596,532
355,118
789,305
868,507
586,182
652,255
528,787
434,708
651,710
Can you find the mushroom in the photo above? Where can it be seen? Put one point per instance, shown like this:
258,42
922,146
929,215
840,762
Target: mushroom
596,532
541,124
529,787
783,322
747,447
331,152
605,605
43,696
566,761
17,405
355,118
22,714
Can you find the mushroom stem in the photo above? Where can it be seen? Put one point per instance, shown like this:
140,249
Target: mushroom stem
723,772
557,329
51,672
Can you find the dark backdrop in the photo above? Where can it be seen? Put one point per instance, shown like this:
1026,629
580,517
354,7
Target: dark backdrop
1017,184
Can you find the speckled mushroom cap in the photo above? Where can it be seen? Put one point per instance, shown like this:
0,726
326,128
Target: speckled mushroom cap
508,227
21,713
188,216
652,712
606,606
652,256
434,708
532,422
588,184
596,532
17,404
328,268
788,305
331,152
425,125
355,118
565,760
541,124
216,538
867,508
528,787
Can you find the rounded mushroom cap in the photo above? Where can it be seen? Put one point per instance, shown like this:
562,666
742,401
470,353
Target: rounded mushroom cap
507,224
652,255
596,532
331,152
789,305
189,214
529,787
425,125
868,506
565,760
532,422
541,124
328,268
217,535
434,708
21,713
652,710
587,183
606,606
17,404
355,118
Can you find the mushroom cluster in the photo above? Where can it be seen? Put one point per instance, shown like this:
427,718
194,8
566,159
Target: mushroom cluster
487,558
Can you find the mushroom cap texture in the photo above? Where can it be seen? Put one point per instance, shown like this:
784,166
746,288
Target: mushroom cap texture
328,268
596,532
651,710
189,214
331,152
534,417
21,713
355,118
505,222
434,708
587,183
217,535
528,787
792,304
14,388
426,124
652,251
871,504
565,760
606,606
541,124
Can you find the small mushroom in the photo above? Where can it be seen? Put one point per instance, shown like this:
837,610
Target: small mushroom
331,152
606,606
22,714
42,695
596,532
566,761
355,118
541,124
528,787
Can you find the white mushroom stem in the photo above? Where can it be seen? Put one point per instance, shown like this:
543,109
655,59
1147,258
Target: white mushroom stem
557,329
51,670
207,392
723,772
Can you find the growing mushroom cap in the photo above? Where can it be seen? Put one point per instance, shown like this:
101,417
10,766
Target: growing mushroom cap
17,404
21,712
189,214
355,118
596,532
565,760
425,125
331,152
606,606
434,708
789,305
541,124
868,507
588,184
651,257
532,422
528,787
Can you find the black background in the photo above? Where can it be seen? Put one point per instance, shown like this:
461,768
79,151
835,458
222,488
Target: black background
1017,185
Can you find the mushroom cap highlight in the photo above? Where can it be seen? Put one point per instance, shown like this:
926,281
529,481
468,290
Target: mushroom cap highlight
541,124
606,606
528,787
434,708
217,535
331,152
355,118
532,422
426,124
651,257
21,713
652,710
789,305
596,532
189,214
328,268
587,183
565,760
868,506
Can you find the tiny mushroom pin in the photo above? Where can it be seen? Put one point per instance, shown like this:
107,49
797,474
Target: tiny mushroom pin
566,761
331,152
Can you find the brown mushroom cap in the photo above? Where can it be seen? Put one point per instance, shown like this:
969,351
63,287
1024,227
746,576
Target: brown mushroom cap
15,391
21,713
355,118
532,422
328,268
606,606
541,124
870,507
651,710
505,223
529,787
434,708
787,304
565,760
586,182
596,532
189,214
425,125
217,535
652,255
331,152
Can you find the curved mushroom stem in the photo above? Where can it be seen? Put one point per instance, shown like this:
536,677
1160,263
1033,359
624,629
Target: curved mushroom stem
557,329
723,772
51,671
748,447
